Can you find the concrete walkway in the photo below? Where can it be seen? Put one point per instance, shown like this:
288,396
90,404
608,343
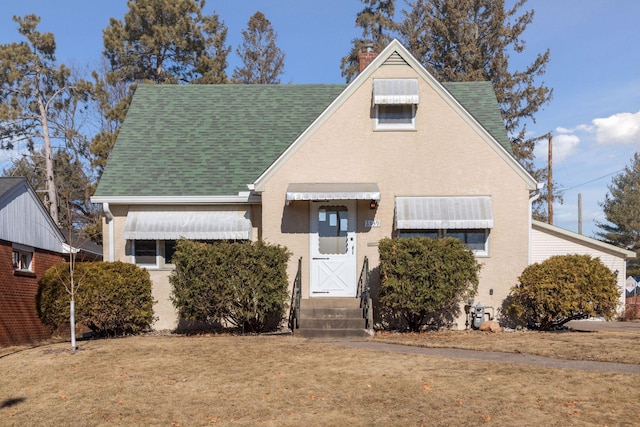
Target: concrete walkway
517,358
598,325
494,356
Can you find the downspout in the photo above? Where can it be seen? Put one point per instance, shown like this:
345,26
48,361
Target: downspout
532,199
109,215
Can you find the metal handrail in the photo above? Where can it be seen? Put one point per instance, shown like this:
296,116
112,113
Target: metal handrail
365,293
296,295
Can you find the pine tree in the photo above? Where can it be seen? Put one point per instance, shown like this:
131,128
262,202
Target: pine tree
378,26
35,95
470,40
167,41
263,61
621,207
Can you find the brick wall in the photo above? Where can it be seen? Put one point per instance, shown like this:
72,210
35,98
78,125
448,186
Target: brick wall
19,322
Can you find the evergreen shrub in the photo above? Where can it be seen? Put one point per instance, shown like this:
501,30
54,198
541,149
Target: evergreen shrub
563,288
112,298
420,277
240,283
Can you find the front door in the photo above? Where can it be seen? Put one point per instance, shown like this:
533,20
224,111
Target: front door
333,249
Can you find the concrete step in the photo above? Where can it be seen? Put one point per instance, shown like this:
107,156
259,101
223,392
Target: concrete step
340,323
313,333
329,303
331,318
330,313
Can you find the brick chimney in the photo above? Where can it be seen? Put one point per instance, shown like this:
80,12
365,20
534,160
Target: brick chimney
366,55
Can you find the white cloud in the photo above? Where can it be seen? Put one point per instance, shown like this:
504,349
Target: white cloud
564,146
621,128
561,129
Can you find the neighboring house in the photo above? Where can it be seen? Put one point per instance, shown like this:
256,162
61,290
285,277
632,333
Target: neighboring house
30,243
548,240
325,170
84,249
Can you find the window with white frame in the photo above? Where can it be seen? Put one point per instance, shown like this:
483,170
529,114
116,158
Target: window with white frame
22,258
153,253
395,102
476,240
395,117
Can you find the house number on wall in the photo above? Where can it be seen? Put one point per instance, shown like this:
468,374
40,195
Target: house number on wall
371,223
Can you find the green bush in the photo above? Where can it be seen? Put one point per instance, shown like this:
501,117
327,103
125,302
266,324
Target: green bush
242,283
563,288
112,298
420,277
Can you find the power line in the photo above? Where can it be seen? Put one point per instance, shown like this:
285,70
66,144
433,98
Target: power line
590,181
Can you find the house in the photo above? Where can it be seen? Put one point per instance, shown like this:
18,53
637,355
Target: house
30,243
325,170
548,240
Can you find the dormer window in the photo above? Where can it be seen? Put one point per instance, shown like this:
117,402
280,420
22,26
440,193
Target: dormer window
395,102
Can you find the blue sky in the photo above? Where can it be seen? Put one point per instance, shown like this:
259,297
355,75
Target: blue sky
594,71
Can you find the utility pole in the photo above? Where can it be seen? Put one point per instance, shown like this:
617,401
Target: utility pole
579,213
550,181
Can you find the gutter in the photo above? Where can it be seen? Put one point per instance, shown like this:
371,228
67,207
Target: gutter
109,216
242,198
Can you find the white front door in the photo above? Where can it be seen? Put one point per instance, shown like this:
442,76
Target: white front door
333,249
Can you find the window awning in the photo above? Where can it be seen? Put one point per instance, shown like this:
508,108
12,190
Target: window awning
231,224
435,213
333,191
395,91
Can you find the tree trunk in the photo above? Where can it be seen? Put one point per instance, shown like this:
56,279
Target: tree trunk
51,185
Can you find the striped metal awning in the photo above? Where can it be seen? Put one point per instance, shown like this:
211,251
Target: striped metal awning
436,213
332,191
221,224
395,91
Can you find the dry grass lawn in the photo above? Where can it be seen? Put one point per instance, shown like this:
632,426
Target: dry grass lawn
285,381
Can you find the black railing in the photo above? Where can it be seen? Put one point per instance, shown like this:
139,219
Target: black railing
296,295
365,293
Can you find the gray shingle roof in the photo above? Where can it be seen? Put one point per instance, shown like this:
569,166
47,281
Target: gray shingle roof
213,140
207,139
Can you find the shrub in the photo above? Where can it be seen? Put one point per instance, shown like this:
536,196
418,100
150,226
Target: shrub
242,283
564,288
421,276
113,298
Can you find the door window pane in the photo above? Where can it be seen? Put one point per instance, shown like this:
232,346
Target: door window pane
333,224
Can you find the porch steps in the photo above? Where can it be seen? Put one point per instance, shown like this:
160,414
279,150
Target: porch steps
326,318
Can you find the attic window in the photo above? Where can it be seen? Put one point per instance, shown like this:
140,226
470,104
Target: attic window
395,102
